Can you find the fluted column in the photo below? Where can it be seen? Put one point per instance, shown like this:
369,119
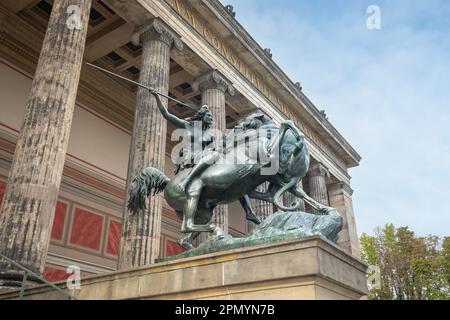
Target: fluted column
317,176
261,208
28,207
341,199
140,241
289,198
213,87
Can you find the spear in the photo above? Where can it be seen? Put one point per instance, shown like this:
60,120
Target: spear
142,86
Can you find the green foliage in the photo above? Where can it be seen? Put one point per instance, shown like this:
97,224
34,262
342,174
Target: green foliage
411,268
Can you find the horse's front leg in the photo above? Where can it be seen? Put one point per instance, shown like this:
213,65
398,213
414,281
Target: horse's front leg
186,240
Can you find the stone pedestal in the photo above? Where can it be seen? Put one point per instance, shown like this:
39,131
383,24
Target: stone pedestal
306,269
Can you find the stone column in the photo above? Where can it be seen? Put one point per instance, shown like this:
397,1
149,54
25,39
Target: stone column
289,198
28,207
317,176
302,203
341,198
262,209
213,87
140,241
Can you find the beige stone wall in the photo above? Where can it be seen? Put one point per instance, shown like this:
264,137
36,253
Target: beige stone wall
236,219
99,143
92,139
14,88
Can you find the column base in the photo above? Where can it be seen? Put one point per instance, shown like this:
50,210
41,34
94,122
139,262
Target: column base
11,280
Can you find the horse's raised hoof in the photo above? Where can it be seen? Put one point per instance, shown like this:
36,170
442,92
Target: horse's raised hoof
324,211
219,233
253,218
185,244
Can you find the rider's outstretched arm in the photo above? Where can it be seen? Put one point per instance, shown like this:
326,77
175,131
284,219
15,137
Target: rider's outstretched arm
180,123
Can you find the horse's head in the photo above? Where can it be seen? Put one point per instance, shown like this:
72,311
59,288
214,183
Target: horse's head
293,165
294,157
254,121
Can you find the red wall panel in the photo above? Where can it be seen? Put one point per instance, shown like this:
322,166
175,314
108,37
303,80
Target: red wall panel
86,229
58,221
173,248
2,190
114,237
53,275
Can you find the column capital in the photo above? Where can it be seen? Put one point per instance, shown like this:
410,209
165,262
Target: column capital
318,169
340,186
213,80
157,30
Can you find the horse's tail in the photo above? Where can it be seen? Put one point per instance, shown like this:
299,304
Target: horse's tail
143,183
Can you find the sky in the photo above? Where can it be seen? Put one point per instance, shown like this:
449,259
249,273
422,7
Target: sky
386,91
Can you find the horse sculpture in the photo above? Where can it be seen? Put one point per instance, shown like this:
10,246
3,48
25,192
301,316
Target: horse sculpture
228,180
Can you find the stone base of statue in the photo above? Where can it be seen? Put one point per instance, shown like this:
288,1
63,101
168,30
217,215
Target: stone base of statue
303,269
279,226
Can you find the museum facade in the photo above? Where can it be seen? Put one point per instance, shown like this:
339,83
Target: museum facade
71,136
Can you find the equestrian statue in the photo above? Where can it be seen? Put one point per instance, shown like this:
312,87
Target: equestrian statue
208,177
209,174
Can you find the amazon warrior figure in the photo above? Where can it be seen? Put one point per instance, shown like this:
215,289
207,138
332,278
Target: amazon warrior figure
201,152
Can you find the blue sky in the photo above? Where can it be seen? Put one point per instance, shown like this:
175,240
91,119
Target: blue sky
387,91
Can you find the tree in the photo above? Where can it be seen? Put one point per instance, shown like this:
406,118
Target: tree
411,268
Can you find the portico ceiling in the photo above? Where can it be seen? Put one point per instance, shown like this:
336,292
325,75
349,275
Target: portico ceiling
109,45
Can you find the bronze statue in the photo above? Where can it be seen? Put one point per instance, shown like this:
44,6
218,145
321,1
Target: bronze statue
208,178
223,182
